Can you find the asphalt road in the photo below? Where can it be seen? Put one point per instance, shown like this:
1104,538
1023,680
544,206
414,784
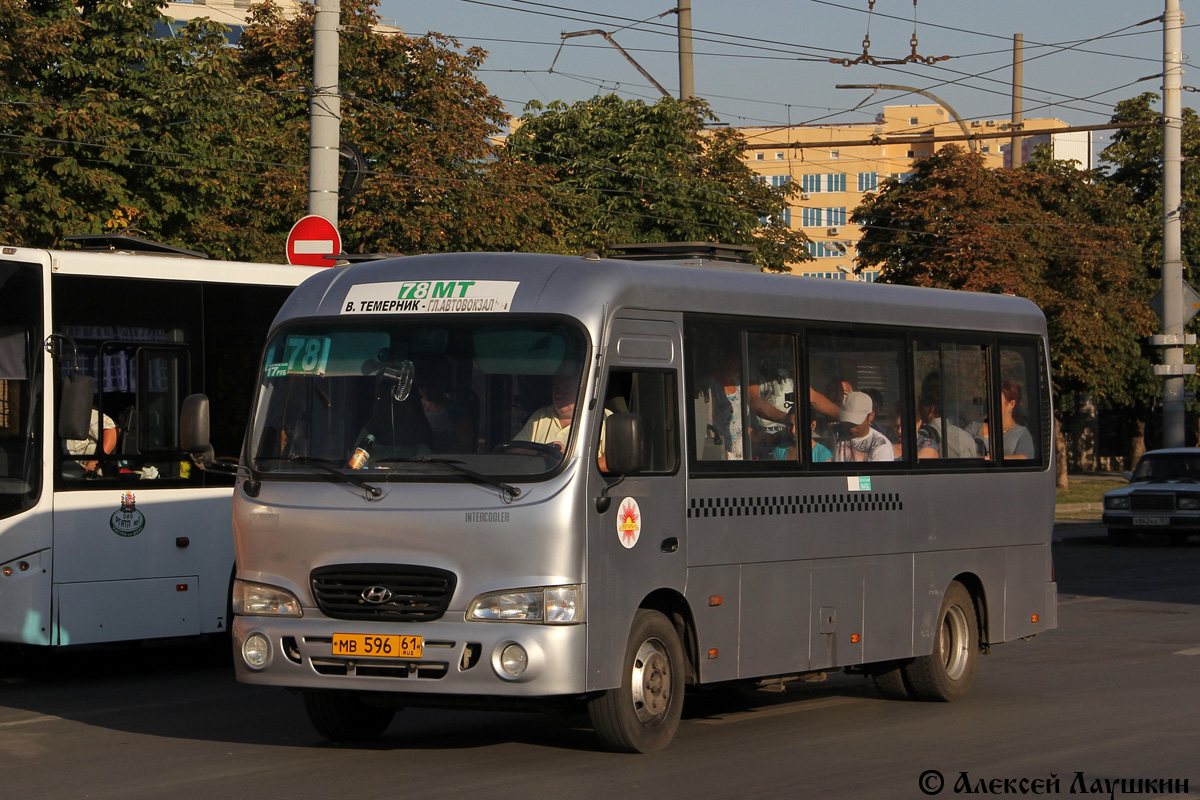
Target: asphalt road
1111,694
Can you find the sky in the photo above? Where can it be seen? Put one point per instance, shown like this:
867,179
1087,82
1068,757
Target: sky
767,62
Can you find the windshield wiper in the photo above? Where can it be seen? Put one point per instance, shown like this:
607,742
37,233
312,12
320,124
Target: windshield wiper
456,465
321,464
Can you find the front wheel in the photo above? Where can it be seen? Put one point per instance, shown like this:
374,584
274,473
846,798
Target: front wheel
946,673
642,714
343,717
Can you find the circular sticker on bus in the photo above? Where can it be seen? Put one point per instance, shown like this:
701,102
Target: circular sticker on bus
629,522
127,520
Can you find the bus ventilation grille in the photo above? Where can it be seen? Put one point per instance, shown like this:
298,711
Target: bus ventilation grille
383,592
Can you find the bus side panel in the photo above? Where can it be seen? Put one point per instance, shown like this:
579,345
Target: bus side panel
25,600
170,533
776,618
103,611
837,606
933,572
714,596
888,608
1027,597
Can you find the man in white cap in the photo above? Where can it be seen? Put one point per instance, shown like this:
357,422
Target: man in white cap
858,441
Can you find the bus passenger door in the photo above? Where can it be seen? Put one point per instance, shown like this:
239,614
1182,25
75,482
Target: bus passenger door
636,545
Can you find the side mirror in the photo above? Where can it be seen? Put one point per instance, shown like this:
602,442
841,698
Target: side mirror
624,444
194,426
75,408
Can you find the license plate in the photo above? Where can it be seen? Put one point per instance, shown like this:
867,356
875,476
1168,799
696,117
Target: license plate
1152,521
367,645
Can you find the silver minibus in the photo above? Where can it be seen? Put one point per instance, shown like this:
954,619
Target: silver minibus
512,478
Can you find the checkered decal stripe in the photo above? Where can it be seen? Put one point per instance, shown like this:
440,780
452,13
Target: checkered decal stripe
794,504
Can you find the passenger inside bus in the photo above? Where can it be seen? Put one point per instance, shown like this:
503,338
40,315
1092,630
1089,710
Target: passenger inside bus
951,440
723,395
857,440
107,442
550,425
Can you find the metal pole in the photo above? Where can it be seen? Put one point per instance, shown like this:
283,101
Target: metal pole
967,135
325,114
687,85
1018,98
1172,268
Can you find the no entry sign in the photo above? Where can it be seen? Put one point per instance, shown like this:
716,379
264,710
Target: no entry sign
311,239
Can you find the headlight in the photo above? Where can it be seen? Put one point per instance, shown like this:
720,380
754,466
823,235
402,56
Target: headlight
1118,502
260,600
554,604
1189,502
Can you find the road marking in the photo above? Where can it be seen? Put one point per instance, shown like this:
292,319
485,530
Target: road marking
787,708
1194,651
29,721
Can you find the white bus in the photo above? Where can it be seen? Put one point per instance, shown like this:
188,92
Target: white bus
481,478
108,530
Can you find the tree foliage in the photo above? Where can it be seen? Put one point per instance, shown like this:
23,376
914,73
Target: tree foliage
627,172
192,142
1048,232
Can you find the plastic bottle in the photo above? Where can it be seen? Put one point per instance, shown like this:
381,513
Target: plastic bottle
362,453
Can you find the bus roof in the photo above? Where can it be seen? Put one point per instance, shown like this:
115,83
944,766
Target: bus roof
152,267
582,286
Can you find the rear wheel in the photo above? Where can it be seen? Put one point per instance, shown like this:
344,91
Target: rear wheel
343,717
946,673
642,714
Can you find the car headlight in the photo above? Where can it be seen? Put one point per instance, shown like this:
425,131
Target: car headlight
1118,502
1189,502
260,600
556,605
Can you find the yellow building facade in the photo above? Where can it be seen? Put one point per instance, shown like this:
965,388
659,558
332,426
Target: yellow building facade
835,166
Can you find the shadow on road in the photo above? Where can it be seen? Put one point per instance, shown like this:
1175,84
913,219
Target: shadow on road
1148,569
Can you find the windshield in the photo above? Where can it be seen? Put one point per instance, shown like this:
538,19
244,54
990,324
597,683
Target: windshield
1167,467
20,384
402,398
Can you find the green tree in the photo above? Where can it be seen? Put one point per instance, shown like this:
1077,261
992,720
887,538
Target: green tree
630,172
105,126
1048,232
437,179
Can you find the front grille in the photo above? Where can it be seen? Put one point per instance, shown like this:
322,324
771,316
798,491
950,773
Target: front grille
413,593
1144,501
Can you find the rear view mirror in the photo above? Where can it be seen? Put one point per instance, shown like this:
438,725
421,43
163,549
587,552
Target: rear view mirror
75,408
194,425
624,444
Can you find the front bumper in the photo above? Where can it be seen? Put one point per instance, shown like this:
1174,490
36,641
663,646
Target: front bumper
1148,521
460,658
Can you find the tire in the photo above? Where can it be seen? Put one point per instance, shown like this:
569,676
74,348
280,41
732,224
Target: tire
342,717
642,714
889,679
946,674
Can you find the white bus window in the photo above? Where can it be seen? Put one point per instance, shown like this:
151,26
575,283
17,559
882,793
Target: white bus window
718,396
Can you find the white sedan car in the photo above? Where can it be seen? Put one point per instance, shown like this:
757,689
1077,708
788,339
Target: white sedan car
1163,496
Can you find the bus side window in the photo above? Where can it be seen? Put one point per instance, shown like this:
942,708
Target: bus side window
951,400
1020,407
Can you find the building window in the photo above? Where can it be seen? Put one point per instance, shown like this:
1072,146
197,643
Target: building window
835,216
810,183
987,148
868,181
913,121
835,182
759,156
780,180
909,154
835,153
811,217
779,156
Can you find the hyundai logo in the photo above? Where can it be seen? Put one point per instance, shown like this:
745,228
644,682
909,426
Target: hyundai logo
376,594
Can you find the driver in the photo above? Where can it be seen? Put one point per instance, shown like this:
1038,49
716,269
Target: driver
551,425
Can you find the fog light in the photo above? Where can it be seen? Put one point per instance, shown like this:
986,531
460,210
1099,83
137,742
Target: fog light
256,650
514,659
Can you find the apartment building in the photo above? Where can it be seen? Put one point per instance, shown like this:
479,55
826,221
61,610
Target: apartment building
838,165
234,14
